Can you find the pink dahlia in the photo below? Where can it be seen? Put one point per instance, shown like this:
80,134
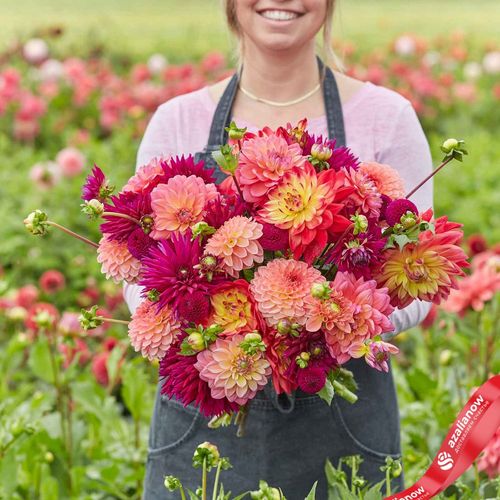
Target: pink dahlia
52,281
474,291
181,380
71,161
231,373
169,269
152,331
365,199
426,270
386,179
236,243
489,461
147,177
376,353
281,288
117,262
262,163
179,204
134,206
371,309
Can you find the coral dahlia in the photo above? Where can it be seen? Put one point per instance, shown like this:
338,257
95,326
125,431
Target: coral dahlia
230,372
179,204
426,270
262,163
365,199
371,309
152,331
386,179
117,262
147,177
236,243
281,288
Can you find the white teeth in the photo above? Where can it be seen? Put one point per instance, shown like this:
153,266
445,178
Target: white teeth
279,15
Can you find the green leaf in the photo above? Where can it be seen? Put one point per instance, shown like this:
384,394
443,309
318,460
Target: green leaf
134,387
113,363
327,393
312,493
420,382
39,361
374,492
49,489
401,240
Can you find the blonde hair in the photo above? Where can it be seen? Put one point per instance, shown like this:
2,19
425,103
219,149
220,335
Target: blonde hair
328,54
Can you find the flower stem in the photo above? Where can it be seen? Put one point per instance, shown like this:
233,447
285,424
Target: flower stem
72,233
204,480
430,176
388,482
122,216
216,482
344,392
112,320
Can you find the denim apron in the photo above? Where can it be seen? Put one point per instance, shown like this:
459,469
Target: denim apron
287,438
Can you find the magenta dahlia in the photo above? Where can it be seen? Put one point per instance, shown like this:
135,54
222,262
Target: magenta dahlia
223,208
397,208
134,205
169,269
96,186
181,380
274,239
187,166
194,308
341,157
139,243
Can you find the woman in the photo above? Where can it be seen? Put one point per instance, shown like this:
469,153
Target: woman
288,439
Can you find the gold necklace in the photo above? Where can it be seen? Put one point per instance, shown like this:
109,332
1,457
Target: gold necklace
281,104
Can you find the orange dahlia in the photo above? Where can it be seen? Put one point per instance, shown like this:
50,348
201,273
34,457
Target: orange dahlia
236,244
305,204
281,289
179,204
231,372
233,307
386,179
153,330
426,270
262,163
117,262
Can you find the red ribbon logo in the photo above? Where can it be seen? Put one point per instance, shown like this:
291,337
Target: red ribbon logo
470,433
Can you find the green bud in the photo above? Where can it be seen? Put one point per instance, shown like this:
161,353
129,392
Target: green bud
321,291
454,148
234,132
202,229
449,145
93,209
408,220
396,468
360,224
445,357
253,343
223,420
89,320
226,160
321,152
196,341
207,452
302,359
172,483
147,223
44,320
154,295
36,222
284,327
49,457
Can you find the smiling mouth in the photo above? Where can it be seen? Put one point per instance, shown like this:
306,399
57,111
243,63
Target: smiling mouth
279,15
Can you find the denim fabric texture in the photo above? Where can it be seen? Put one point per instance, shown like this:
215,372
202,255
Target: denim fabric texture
287,438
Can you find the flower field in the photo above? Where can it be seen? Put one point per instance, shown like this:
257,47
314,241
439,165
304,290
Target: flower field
75,406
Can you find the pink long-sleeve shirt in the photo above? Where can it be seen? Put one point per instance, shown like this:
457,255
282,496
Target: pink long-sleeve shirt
380,125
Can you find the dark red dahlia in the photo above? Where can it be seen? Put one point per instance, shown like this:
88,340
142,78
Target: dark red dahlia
187,166
274,239
194,308
398,208
223,208
134,205
360,254
311,379
139,243
96,186
181,380
169,269
477,244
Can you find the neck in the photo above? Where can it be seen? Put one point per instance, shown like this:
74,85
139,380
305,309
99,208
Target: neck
279,76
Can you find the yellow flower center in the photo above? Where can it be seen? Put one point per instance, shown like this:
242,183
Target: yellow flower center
416,270
232,310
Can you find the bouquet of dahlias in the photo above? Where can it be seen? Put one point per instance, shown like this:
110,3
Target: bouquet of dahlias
284,271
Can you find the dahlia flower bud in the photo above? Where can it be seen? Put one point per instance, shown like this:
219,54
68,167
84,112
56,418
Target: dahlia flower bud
89,320
93,209
196,342
302,359
454,148
208,453
266,492
223,420
321,152
36,222
154,295
234,132
286,327
360,224
226,160
147,223
202,229
445,357
172,483
321,291
253,343
209,264
44,319
49,457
